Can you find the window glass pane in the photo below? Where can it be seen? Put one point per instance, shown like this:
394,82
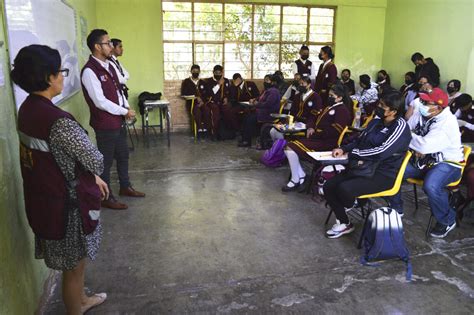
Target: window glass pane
178,58
208,21
294,24
238,22
207,56
321,25
177,22
289,54
267,23
265,60
313,55
237,59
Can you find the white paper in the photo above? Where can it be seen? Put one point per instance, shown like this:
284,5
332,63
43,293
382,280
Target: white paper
326,156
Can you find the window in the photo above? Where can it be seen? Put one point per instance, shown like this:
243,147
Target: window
252,39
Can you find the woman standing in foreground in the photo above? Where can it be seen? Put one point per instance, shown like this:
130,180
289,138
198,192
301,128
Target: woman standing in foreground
59,166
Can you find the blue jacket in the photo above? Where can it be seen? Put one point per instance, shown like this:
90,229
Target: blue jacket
385,143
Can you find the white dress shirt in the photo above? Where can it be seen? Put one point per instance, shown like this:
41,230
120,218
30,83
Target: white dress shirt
313,68
94,89
117,65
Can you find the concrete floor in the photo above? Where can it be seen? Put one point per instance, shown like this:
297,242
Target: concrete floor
216,235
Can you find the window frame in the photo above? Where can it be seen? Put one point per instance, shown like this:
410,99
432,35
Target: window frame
252,42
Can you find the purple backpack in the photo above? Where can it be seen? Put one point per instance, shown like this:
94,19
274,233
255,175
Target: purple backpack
274,156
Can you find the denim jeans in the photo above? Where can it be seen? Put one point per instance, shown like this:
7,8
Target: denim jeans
435,181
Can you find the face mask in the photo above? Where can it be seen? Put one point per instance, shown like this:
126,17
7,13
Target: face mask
408,82
304,57
295,83
451,90
320,56
380,112
331,100
217,77
195,75
302,89
424,110
267,85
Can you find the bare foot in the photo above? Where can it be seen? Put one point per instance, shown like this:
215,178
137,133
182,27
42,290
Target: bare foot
93,301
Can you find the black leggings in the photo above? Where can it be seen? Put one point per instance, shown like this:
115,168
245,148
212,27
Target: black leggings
342,190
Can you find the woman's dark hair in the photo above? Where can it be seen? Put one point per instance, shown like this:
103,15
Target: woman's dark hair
115,41
463,100
328,51
341,90
218,68
456,83
195,67
416,56
346,70
306,79
33,65
395,101
427,77
365,80
94,38
385,74
237,76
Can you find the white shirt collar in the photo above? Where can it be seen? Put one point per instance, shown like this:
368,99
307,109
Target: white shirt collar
104,64
242,85
454,96
194,81
304,61
305,95
327,61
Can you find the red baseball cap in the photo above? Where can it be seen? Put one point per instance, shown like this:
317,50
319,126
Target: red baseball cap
437,96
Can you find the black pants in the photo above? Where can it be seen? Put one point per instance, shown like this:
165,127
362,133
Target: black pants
249,126
113,145
342,190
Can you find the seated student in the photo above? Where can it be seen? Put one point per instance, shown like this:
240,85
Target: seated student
347,81
323,130
465,116
383,81
424,85
308,101
241,91
408,89
195,86
382,146
367,96
292,93
438,152
453,88
216,96
281,84
268,103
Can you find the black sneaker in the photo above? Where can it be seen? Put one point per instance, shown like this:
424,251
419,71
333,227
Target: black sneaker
441,230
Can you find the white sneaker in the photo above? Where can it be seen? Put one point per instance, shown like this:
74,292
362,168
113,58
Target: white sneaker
339,229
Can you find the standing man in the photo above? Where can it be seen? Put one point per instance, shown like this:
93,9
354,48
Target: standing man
109,109
425,67
122,74
304,66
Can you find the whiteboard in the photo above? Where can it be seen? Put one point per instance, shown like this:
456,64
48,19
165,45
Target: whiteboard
45,22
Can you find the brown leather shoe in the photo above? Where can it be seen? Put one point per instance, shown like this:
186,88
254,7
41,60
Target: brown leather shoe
130,192
112,203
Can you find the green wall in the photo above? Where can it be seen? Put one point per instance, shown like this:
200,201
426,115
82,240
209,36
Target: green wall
439,29
359,36
21,276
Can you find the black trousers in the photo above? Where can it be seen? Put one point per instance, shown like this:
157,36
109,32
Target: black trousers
342,190
249,126
113,145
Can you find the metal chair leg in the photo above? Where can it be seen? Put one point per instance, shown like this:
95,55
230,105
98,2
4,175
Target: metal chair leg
365,215
416,196
329,216
430,223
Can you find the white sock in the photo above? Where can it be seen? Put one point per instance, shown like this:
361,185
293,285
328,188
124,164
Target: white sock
295,166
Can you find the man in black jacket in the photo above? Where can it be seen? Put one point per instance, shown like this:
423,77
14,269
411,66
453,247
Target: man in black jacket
425,67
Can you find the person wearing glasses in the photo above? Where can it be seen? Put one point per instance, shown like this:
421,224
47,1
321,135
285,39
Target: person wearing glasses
109,109
60,169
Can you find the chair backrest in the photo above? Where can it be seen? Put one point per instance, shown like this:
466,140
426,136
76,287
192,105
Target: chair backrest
342,135
355,104
466,152
367,120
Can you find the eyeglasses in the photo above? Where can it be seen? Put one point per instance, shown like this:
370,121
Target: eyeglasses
107,43
64,72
